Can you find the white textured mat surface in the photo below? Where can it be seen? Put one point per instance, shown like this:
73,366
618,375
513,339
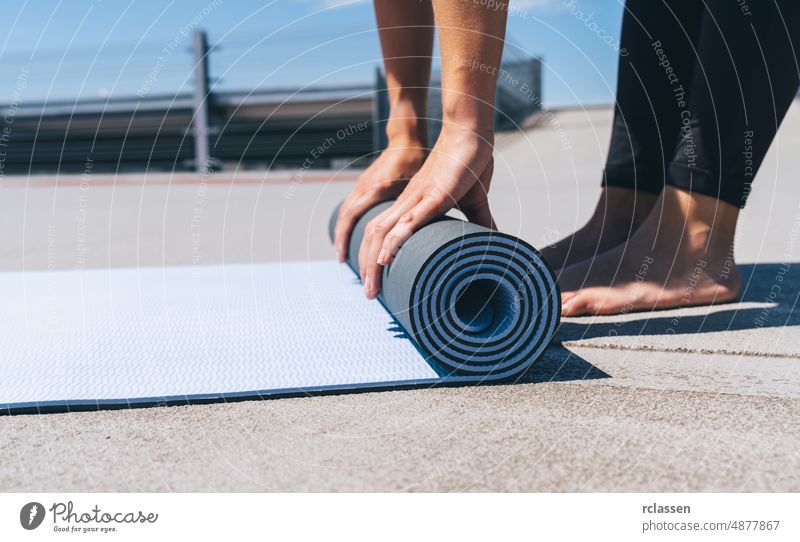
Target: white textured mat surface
146,335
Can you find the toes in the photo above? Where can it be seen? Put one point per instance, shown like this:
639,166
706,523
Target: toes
601,302
566,296
575,305
590,302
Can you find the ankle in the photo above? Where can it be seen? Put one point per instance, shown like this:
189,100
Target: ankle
622,208
705,223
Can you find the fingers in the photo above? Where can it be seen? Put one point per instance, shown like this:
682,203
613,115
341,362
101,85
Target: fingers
396,237
374,237
349,213
423,212
480,214
475,204
354,208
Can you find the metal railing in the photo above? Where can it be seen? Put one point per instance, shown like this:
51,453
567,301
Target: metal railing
203,126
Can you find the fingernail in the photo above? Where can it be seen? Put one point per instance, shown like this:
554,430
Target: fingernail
367,287
382,257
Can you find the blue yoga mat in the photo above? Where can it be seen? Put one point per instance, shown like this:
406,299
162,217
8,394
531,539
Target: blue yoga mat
477,302
478,308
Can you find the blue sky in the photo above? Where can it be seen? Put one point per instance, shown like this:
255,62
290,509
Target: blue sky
61,49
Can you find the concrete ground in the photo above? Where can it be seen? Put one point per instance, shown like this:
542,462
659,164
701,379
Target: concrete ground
687,400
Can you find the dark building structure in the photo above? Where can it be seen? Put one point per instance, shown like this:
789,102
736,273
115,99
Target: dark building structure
261,129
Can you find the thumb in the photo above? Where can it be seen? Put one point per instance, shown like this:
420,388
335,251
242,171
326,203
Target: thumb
478,212
475,203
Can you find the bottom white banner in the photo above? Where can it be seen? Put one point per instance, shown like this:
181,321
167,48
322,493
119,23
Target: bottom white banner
400,517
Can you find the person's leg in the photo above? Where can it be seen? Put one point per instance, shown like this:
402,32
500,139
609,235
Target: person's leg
746,78
645,127
743,87
406,32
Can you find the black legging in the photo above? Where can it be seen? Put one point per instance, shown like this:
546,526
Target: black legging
701,91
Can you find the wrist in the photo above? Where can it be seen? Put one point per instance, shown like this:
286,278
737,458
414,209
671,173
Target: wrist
468,116
407,132
477,139
407,123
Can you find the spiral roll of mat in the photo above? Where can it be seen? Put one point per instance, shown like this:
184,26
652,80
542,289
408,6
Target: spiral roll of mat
475,301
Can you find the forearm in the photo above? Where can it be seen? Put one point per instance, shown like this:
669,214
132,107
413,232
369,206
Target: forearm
406,35
459,169
470,35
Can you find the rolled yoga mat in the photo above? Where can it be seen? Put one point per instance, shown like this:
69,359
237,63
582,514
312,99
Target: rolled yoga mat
120,338
478,303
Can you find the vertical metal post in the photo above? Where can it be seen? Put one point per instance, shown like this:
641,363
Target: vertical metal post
380,113
536,84
201,99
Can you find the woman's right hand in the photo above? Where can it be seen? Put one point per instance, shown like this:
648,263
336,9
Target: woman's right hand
383,180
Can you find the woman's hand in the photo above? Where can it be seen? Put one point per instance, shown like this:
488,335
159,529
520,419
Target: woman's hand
383,180
456,174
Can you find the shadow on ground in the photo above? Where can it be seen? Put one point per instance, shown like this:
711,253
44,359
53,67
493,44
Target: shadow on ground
561,365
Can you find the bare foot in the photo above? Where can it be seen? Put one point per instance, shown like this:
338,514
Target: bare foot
617,215
682,255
